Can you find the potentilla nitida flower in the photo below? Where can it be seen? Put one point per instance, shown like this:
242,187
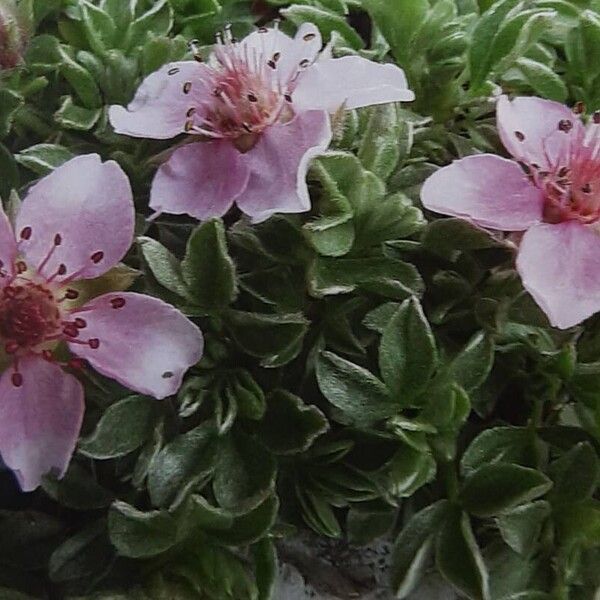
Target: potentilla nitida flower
74,225
550,191
259,110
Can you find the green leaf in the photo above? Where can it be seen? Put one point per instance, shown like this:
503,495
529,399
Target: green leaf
543,79
245,473
583,47
578,523
444,236
251,527
78,490
276,339
499,444
575,474
458,557
379,149
44,158
354,390
207,267
407,353
497,488
264,556
99,27
137,534
75,117
181,464
85,554
123,428
399,20
9,103
332,234
290,426
379,318
158,20
368,521
520,528
481,57
473,364
164,266
407,471
10,172
387,277
326,21
412,548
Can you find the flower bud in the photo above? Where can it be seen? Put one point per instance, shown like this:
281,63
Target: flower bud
13,34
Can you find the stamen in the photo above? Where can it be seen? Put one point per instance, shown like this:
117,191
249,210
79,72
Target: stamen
117,302
97,257
565,125
187,87
173,71
520,136
94,343
25,233
17,379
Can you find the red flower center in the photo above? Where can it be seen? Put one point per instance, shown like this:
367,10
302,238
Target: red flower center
29,315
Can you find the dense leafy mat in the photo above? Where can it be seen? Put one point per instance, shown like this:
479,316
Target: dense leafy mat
369,369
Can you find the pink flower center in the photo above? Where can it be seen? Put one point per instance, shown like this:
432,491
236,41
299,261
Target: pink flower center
37,312
248,94
29,315
572,185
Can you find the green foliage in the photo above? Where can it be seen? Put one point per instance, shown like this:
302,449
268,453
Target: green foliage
369,370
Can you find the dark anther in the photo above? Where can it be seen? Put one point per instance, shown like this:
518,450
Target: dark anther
117,302
565,125
97,257
191,112
167,375
276,56
579,108
304,63
71,294
21,267
520,135
26,233
288,97
187,87
252,97
262,30
586,189
309,36
272,64
17,379
94,343
71,330
189,125
62,269
596,117
57,239
80,323
173,71
247,127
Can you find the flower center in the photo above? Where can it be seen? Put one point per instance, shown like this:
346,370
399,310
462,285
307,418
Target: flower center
571,183
29,316
248,94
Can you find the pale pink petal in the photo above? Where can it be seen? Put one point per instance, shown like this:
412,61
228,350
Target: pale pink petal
263,44
301,53
162,103
86,207
279,163
39,421
201,180
560,267
142,342
8,246
538,131
487,190
352,82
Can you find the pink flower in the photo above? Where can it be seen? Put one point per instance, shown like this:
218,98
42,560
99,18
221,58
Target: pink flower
75,224
550,191
261,106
